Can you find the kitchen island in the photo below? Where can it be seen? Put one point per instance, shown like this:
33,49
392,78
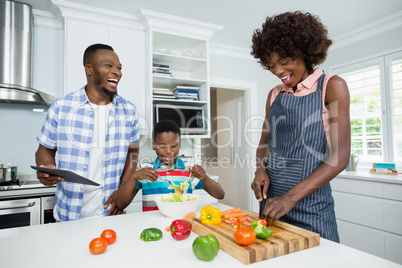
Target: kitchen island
65,244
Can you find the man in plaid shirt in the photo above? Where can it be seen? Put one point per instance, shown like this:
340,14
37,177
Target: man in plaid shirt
95,133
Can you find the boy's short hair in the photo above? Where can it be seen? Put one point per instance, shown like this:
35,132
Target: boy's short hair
165,126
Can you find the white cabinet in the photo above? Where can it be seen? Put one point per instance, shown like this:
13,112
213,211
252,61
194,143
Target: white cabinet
369,215
84,27
129,45
78,35
182,47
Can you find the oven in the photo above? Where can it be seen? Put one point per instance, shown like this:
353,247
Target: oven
19,212
26,203
46,211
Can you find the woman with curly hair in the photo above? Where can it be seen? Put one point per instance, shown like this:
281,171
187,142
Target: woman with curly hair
305,140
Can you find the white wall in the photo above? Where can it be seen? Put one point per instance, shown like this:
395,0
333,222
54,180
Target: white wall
379,44
244,69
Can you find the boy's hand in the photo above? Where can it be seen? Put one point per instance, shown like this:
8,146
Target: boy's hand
198,172
146,173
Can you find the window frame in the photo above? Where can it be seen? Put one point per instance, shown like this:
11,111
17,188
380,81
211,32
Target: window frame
388,64
383,60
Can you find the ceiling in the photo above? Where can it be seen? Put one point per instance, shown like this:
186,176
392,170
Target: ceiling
241,18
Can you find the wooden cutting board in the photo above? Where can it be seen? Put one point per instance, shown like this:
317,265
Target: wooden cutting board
285,239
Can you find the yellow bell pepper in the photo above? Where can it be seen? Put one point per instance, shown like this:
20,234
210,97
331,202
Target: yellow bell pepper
210,215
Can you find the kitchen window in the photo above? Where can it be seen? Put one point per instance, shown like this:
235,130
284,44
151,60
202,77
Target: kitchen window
375,87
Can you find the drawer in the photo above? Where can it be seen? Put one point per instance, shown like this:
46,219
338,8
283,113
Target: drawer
361,238
392,191
357,187
393,216
359,209
393,245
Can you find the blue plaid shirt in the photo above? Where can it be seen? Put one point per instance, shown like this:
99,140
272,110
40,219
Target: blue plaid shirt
68,128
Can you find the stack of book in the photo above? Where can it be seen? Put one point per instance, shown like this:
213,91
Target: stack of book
162,93
384,168
161,70
186,92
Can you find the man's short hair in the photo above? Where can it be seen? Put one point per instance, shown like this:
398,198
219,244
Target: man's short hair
165,126
92,49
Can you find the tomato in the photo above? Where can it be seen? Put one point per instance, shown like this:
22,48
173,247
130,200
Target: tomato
246,221
98,246
244,236
109,235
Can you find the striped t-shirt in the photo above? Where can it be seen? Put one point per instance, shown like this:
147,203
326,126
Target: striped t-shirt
177,174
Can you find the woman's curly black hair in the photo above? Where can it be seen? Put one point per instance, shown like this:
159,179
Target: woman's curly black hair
292,34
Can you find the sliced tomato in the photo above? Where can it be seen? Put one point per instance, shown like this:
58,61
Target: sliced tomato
235,222
246,221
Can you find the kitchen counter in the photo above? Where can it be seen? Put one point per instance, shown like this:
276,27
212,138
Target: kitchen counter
27,189
65,244
365,175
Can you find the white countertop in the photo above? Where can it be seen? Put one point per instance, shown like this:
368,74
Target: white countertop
66,245
364,174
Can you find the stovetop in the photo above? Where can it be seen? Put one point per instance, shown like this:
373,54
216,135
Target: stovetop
22,185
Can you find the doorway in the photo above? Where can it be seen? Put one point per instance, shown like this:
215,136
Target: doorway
227,153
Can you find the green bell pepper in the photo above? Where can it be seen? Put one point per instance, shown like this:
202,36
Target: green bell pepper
260,230
206,247
151,234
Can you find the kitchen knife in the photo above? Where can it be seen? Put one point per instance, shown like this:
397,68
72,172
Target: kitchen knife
66,174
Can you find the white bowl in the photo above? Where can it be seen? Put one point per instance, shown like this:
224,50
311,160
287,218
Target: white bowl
177,210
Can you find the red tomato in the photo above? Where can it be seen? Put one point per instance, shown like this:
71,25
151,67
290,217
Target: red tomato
244,236
109,235
98,246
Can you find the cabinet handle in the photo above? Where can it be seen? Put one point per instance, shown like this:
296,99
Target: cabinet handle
31,204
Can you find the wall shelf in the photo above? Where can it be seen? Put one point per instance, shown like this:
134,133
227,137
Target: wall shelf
178,62
172,82
179,102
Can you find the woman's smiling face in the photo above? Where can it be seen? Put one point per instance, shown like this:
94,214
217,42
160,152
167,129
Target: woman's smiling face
290,71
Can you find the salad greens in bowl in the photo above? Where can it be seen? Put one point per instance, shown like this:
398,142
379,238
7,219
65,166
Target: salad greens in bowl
178,204
172,208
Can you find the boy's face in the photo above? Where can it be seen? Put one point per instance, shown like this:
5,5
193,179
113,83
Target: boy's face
167,147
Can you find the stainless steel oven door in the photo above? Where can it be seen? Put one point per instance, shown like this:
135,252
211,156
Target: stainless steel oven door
19,212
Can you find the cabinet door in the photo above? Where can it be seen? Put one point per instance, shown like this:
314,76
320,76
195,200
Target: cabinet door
129,44
78,36
362,238
393,245
393,216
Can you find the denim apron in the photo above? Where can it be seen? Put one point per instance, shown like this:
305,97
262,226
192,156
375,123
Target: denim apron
298,146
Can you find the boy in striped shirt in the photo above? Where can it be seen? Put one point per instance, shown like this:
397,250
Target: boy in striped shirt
166,142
